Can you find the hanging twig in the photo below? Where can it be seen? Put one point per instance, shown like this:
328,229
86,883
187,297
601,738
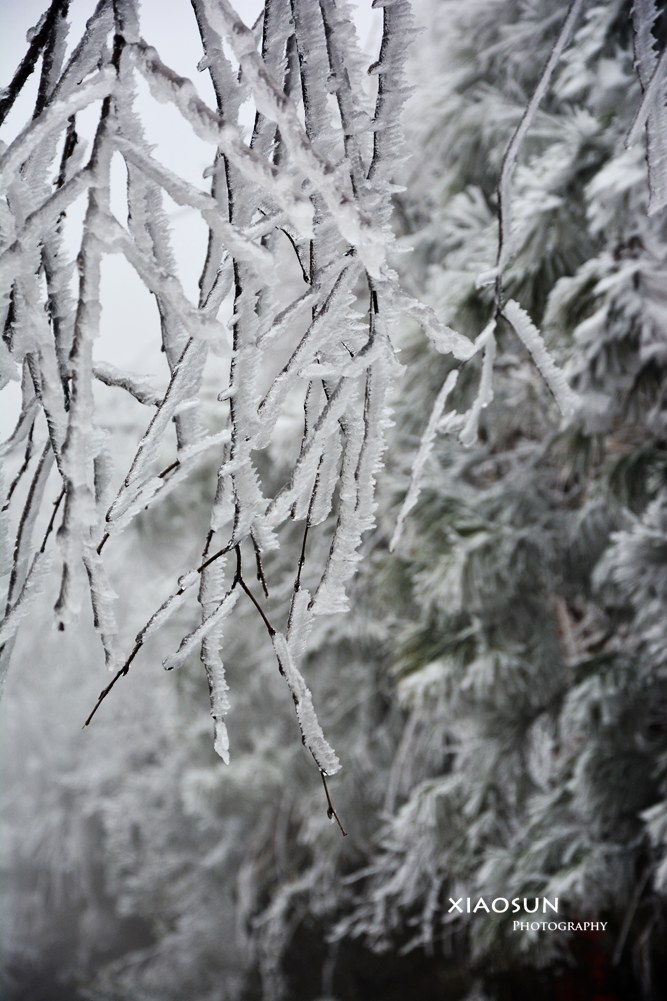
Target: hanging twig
238,579
301,176
27,65
49,528
119,674
516,142
24,465
331,813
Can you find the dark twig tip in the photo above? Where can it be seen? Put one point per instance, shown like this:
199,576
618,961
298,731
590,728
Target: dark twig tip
331,812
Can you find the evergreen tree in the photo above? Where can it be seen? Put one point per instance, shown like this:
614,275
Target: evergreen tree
531,656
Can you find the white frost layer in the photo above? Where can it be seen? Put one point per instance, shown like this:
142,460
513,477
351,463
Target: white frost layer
311,731
528,333
194,638
425,446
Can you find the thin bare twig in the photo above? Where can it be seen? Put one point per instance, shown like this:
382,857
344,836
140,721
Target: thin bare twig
302,554
24,523
169,469
238,579
331,813
119,674
304,273
56,504
24,465
216,556
161,476
260,568
141,635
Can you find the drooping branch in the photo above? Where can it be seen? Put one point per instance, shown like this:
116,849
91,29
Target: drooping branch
652,110
516,142
305,199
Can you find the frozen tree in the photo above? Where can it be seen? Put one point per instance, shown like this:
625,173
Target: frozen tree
499,681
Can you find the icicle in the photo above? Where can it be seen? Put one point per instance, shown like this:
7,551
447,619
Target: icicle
91,51
219,708
326,479
346,65
330,596
388,145
300,622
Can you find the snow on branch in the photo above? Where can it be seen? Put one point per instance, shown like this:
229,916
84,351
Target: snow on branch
295,304
517,140
652,112
287,336
528,333
449,341
425,447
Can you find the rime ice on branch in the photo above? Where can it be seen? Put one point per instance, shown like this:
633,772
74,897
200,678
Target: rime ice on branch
309,191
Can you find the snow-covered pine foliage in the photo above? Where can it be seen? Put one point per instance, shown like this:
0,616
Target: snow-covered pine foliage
531,664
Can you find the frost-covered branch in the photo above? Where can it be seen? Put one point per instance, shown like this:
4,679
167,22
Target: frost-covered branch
517,140
652,111
305,199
